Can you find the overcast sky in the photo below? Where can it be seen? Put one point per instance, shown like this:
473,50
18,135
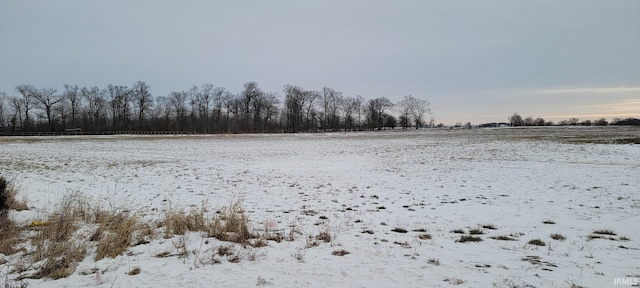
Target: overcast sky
477,61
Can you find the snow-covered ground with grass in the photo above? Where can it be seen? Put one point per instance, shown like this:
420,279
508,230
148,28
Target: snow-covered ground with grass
365,189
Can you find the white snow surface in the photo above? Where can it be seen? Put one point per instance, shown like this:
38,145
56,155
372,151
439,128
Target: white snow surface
378,181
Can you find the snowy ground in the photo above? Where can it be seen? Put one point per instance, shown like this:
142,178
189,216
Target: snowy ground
360,187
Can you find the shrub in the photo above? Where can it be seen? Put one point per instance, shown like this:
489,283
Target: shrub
8,230
8,199
557,236
5,196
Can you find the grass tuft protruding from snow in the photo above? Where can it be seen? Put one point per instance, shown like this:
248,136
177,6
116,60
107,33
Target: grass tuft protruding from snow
467,238
536,242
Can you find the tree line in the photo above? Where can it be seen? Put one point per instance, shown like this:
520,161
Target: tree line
517,120
202,109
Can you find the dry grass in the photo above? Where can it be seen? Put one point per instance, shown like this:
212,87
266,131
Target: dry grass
58,247
489,226
225,251
299,255
467,238
178,222
227,224
9,237
340,252
476,231
605,232
134,271
454,281
311,242
424,236
60,259
59,244
115,234
399,230
503,238
231,224
536,242
181,247
324,236
259,242
62,239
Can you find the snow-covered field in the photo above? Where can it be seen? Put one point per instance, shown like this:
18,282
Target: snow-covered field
359,187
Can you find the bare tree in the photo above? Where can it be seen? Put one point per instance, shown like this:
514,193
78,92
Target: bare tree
73,94
143,100
203,100
539,122
179,104
3,97
407,107
350,106
96,106
412,107
230,105
120,104
361,108
28,100
601,122
294,102
61,112
331,103
251,106
218,103
270,103
574,121
48,99
516,120
310,114
375,112
300,113
164,109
